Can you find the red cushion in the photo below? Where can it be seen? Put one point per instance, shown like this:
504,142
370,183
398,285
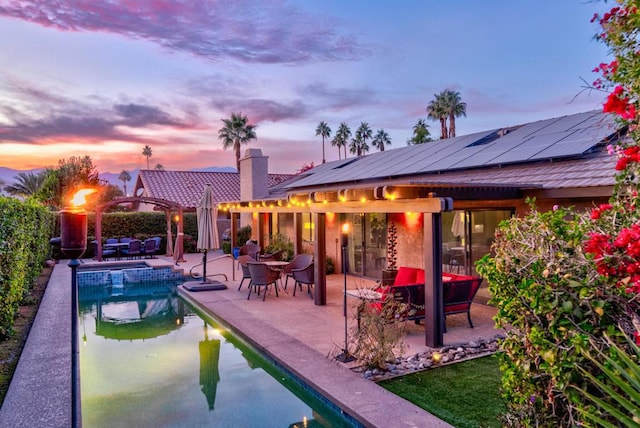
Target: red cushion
406,275
420,276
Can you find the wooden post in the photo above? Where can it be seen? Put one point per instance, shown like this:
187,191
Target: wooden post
320,258
434,320
297,230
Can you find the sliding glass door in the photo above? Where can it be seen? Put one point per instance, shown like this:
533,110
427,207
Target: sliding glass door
467,236
367,244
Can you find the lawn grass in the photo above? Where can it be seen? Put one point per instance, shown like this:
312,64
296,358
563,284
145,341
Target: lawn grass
464,394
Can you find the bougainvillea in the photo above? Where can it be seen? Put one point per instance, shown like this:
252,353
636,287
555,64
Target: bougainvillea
567,283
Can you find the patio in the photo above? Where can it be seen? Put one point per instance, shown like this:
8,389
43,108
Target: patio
322,327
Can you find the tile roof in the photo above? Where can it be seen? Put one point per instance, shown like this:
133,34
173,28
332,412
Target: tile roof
186,187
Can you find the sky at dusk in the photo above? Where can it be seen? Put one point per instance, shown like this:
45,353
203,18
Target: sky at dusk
104,79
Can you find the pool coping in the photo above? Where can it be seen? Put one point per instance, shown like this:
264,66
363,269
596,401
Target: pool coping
40,391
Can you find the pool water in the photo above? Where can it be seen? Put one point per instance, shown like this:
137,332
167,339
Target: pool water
148,359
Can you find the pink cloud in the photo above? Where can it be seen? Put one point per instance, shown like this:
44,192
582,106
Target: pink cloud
273,32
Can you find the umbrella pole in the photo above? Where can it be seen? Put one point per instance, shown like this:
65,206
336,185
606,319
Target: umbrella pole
204,266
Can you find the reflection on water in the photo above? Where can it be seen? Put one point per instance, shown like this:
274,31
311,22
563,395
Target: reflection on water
149,360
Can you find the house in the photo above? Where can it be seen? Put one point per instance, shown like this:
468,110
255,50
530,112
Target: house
444,198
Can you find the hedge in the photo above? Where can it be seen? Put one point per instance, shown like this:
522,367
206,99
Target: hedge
25,230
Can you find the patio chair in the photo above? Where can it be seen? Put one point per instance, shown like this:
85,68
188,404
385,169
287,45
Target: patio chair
305,276
133,250
275,256
242,261
148,248
459,294
262,276
250,250
125,240
108,251
299,261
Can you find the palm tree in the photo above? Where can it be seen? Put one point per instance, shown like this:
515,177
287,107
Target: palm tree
147,152
124,177
26,184
359,144
436,111
380,140
342,136
236,131
159,167
420,133
323,130
454,107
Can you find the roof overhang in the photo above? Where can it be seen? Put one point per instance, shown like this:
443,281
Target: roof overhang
412,197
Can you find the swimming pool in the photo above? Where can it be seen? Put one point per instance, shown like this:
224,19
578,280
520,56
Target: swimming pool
148,359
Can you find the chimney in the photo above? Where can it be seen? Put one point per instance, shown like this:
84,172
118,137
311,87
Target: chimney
254,175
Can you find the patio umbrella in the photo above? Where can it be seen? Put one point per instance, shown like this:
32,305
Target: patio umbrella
207,214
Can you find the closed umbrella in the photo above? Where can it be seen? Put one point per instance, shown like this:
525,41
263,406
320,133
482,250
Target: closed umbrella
207,214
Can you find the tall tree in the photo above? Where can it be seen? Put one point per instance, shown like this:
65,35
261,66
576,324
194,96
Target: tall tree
359,144
147,152
436,111
26,184
453,105
380,140
421,133
60,183
236,131
124,177
342,137
324,131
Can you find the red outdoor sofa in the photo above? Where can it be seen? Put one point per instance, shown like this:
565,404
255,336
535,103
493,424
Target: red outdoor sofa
408,288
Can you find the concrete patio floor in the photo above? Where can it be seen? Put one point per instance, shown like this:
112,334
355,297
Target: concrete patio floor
295,333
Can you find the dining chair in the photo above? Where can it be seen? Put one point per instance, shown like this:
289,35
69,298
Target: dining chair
148,248
250,250
242,261
262,276
299,261
305,276
133,250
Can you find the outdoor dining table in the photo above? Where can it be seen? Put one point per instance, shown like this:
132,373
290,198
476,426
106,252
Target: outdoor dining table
277,265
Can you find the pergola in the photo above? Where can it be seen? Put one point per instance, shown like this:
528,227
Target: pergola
166,206
380,199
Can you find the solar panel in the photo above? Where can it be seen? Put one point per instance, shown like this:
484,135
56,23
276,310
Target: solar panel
557,137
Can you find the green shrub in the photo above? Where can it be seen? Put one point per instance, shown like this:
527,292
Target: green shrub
280,242
551,301
25,230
